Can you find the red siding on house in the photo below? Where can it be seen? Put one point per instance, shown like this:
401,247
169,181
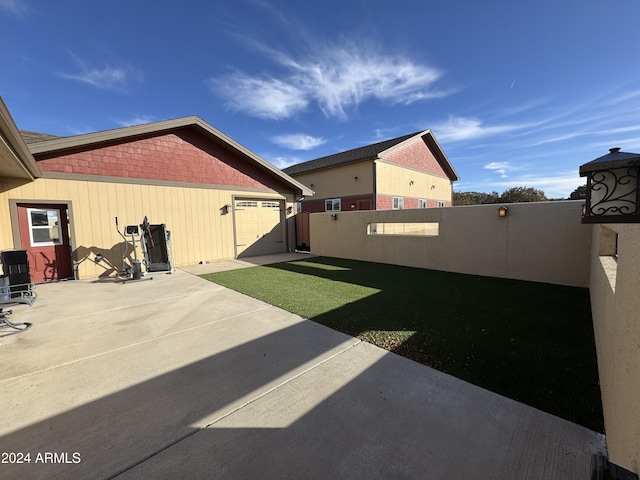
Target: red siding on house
317,205
410,202
385,202
415,154
434,203
183,156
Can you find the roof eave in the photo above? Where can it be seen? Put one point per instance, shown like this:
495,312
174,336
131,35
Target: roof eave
368,158
14,142
127,133
435,148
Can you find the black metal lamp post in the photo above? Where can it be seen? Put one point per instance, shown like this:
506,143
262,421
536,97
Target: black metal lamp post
613,195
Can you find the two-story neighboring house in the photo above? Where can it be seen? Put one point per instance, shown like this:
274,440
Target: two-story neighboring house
410,171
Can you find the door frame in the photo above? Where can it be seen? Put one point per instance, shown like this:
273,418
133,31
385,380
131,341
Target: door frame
370,204
15,226
283,207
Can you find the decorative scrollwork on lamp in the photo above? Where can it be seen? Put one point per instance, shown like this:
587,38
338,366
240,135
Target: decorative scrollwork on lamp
613,195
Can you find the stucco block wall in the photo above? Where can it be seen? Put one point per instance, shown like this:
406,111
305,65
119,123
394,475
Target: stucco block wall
192,214
542,242
615,304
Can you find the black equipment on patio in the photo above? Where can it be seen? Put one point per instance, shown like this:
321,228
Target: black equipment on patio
15,289
134,270
156,246
155,241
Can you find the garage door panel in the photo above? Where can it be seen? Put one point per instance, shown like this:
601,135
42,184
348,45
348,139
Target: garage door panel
259,227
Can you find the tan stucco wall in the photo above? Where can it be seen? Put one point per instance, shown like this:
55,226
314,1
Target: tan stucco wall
615,304
542,242
397,180
198,230
339,181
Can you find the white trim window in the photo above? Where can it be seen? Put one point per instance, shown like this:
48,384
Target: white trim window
398,203
422,203
247,204
44,227
332,205
440,203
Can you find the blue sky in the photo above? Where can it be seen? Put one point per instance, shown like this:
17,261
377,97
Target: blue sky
517,93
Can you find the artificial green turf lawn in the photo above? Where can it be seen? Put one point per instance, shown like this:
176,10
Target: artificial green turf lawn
532,342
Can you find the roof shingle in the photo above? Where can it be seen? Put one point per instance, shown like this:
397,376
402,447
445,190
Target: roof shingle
350,156
35,137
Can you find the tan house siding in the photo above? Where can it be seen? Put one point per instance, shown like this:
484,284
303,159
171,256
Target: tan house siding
396,180
340,181
199,231
182,173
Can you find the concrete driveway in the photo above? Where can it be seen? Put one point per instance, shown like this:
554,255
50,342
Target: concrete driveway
177,377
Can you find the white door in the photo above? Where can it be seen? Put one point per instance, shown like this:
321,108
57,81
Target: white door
259,227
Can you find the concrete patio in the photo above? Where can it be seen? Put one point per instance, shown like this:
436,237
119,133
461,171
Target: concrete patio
177,377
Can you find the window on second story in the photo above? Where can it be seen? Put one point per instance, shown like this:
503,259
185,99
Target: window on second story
441,203
398,203
422,203
332,205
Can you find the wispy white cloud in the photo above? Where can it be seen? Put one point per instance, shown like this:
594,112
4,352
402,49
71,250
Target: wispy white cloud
284,162
298,141
17,8
336,78
263,97
136,120
503,168
107,77
624,97
457,129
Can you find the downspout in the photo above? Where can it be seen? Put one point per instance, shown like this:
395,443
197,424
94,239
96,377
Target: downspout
375,186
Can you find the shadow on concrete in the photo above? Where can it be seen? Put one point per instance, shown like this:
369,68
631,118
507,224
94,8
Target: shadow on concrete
392,418
374,415
120,429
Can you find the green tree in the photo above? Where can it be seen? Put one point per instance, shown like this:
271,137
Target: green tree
522,194
579,193
474,198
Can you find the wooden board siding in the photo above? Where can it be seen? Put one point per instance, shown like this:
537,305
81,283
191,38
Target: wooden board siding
340,181
395,180
198,229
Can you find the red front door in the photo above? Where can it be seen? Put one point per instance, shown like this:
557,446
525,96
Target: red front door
44,233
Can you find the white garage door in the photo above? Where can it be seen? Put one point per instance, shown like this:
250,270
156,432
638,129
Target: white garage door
259,227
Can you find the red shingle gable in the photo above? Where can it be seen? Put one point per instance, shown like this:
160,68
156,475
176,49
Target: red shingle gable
415,154
182,156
